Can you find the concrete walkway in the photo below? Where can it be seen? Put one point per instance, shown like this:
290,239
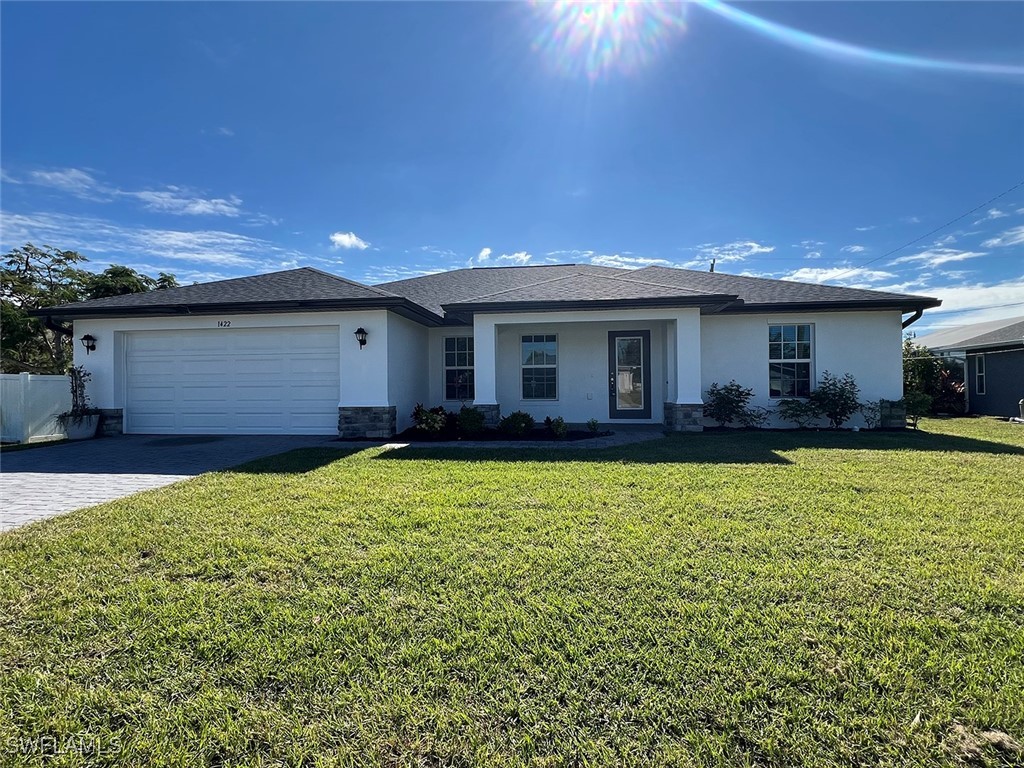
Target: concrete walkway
43,482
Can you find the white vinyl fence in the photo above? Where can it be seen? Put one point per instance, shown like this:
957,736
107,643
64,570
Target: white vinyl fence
29,405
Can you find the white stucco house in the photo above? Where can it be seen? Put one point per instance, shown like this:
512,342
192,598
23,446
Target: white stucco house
306,352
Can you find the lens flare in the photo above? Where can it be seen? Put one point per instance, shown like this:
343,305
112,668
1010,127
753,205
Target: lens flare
594,38
834,48
598,37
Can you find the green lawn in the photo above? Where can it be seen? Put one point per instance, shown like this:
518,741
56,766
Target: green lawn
719,599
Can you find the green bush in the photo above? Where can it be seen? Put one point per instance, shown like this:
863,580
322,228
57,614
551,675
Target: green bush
800,412
433,420
918,404
593,425
517,424
871,412
557,427
727,403
836,398
755,417
470,421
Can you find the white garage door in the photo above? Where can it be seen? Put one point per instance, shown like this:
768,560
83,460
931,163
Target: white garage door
227,381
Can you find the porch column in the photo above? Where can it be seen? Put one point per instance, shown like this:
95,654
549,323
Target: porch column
685,411
485,376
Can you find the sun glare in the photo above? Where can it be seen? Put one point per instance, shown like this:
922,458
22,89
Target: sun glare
598,37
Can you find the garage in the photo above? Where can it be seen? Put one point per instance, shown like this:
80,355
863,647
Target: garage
233,381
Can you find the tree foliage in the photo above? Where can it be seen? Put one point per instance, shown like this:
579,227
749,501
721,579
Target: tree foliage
726,403
836,398
35,278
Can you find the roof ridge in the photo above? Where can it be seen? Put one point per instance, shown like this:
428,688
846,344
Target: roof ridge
781,280
373,288
626,279
517,288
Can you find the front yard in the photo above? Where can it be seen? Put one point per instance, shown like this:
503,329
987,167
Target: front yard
718,599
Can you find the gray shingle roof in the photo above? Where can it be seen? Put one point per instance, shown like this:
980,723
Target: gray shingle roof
460,285
994,333
289,290
426,298
764,291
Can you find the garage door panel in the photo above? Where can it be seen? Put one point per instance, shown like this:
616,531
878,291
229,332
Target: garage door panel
245,381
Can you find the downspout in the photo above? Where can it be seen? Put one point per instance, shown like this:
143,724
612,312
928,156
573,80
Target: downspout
913,318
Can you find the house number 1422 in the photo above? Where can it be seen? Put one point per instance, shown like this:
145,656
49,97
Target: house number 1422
223,323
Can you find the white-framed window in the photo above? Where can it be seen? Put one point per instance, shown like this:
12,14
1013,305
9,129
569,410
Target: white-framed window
540,367
790,360
458,368
979,375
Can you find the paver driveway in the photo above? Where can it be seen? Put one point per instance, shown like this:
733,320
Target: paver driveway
43,482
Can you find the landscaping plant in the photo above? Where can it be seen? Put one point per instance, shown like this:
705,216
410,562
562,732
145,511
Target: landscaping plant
80,407
800,412
836,398
918,404
593,425
517,424
726,404
557,427
470,421
432,420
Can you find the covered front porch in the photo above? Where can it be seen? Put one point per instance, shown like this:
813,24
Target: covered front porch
629,366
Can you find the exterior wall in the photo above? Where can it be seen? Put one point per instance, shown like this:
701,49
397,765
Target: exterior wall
1004,383
865,344
364,372
408,369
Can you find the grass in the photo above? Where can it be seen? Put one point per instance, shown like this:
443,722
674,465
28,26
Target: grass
814,599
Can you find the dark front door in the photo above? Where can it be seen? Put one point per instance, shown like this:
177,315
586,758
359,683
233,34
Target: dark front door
629,374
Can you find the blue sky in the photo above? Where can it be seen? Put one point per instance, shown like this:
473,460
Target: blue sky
383,140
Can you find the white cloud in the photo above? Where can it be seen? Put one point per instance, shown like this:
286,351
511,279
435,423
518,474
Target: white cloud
934,257
179,202
519,258
844,275
984,302
627,262
853,249
993,213
1012,236
95,237
947,240
866,229
813,255
386,274
911,220
484,255
171,199
224,131
810,244
735,251
437,251
71,180
348,240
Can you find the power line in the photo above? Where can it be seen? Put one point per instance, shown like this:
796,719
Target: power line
977,208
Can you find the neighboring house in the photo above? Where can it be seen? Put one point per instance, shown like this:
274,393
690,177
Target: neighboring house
279,353
993,355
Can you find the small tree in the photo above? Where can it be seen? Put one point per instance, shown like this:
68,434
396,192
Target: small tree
917,404
755,417
836,398
80,406
799,412
726,404
871,412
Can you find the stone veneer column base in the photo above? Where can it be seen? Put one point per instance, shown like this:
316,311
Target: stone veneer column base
892,415
111,421
491,412
684,417
367,421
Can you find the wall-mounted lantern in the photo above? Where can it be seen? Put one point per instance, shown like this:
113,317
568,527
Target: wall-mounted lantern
361,337
89,342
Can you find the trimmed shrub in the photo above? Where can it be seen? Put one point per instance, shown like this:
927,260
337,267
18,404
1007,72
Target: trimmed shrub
593,425
557,427
517,424
433,420
799,412
726,404
836,398
470,421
